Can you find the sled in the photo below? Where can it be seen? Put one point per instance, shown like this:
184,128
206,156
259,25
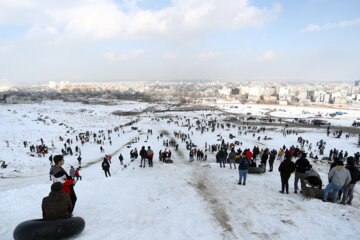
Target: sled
49,229
316,193
256,170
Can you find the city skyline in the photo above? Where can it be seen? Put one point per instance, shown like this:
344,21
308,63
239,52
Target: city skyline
233,40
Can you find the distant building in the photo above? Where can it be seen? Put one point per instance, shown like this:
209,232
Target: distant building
310,95
235,91
357,83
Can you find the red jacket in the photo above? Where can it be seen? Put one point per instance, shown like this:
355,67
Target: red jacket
66,185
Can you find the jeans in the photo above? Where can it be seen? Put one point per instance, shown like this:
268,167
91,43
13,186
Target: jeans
348,193
143,159
222,160
107,172
335,188
298,176
242,173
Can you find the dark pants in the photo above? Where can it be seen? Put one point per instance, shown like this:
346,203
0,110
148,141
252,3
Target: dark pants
285,182
271,164
77,178
107,172
72,197
150,161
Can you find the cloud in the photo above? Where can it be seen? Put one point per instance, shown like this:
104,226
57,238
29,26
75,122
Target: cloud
112,57
267,56
171,55
208,55
96,20
327,26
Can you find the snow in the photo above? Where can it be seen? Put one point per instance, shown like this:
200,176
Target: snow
183,200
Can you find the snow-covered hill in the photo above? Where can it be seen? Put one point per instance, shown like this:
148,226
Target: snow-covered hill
183,200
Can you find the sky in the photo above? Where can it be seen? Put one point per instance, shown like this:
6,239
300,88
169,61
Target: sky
150,40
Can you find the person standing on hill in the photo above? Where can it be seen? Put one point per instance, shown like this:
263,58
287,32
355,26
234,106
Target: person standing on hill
106,167
272,159
222,157
150,155
143,155
301,166
355,176
286,168
232,156
243,168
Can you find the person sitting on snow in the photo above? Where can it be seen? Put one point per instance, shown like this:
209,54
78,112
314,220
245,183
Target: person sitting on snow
312,178
57,205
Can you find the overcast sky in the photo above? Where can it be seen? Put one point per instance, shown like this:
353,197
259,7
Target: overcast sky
230,40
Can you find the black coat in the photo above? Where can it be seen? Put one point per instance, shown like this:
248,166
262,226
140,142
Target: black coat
105,165
302,165
286,167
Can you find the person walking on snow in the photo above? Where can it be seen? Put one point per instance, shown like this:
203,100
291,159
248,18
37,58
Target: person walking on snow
121,158
106,167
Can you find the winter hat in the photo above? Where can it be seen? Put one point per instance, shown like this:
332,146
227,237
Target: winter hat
56,187
340,163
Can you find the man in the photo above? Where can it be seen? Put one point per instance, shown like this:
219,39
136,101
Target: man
339,177
301,166
57,205
232,156
106,167
286,168
243,168
355,176
222,157
59,175
121,158
312,178
143,155
150,155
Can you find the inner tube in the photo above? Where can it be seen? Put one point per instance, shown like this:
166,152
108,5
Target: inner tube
168,161
256,170
39,229
316,193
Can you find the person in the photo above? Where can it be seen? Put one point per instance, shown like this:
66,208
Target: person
191,155
51,159
59,175
106,167
243,168
57,205
79,159
121,158
72,172
222,157
339,177
77,174
3,164
232,156
143,155
271,159
301,166
312,178
355,176
150,155
286,168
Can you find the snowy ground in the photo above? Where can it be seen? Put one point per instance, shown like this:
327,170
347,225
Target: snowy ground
169,201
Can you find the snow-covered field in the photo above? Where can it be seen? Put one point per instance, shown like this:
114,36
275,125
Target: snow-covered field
183,200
